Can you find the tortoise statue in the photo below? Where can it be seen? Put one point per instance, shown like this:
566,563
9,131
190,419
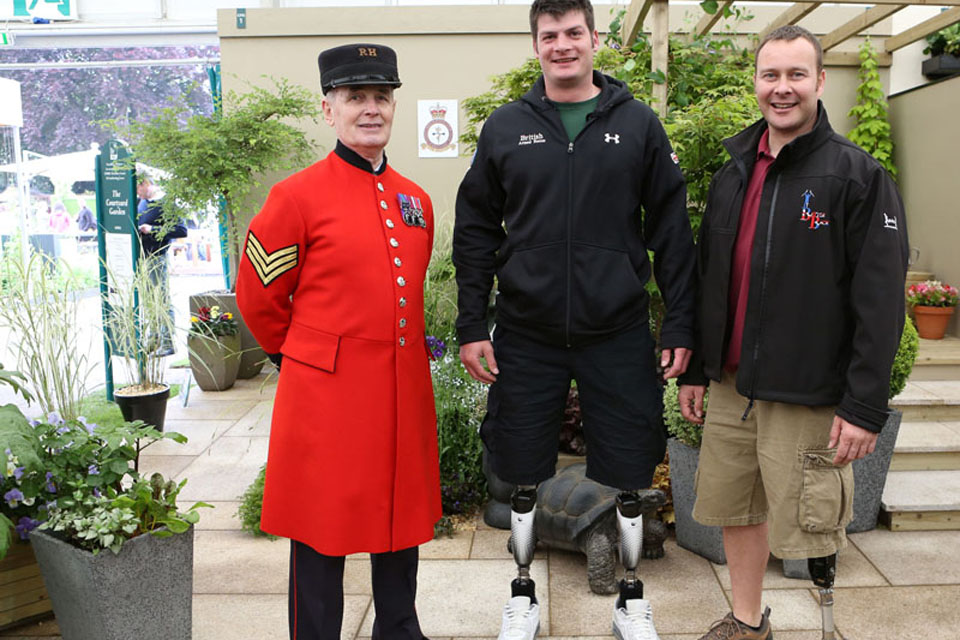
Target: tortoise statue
578,514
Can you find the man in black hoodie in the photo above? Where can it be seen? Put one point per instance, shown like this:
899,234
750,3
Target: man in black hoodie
571,186
802,258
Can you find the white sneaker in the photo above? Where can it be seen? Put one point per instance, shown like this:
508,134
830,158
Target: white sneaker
635,622
521,620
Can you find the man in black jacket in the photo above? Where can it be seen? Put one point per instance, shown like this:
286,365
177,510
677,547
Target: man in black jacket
802,255
571,186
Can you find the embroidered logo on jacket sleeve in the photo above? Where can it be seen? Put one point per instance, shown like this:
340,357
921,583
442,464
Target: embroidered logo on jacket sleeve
270,265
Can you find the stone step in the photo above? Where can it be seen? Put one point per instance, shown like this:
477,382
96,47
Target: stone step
922,500
929,401
937,360
927,446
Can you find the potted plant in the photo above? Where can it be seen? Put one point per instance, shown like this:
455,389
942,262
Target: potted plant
214,344
214,164
870,473
136,318
81,481
943,47
933,303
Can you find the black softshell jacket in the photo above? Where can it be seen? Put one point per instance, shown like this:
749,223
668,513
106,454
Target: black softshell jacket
825,308
560,224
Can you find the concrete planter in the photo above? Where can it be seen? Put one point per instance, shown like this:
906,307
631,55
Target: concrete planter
252,356
691,535
144,592
214,361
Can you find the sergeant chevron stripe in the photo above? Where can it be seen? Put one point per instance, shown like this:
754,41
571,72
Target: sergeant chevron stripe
270,265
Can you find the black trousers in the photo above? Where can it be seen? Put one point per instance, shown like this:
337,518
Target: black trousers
316,594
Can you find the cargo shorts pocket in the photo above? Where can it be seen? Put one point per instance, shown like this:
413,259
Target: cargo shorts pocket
826,494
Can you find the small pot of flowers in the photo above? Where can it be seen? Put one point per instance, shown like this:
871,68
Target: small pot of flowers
214,344
107,539
933,304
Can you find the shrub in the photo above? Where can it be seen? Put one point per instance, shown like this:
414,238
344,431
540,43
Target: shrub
252,504
906,354
686,432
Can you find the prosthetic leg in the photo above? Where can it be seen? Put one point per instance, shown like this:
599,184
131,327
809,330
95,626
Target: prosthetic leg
521,615
632,615
823,571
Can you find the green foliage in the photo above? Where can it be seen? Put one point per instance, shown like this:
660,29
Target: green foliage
39,306
440,285
461,406
219,159
686,432
251,504
906,355
505,88
62,471
872,132
945,41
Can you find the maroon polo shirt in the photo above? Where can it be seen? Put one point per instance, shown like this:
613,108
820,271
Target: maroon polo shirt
740,269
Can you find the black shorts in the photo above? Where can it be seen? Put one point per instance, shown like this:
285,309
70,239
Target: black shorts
621,402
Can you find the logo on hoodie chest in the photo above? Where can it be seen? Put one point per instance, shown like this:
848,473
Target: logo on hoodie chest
816,219
531,138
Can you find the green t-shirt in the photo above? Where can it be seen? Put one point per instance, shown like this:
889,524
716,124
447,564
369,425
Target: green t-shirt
574,114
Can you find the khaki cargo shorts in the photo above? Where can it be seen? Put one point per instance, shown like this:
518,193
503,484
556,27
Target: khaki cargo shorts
773,467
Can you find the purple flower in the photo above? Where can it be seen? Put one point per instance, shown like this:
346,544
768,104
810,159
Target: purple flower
25,525
18,473
13,497
93,470
96,492
89,426
52,488
54,418
436,347
34,423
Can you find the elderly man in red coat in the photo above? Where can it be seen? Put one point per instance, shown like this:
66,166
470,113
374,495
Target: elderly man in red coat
331,282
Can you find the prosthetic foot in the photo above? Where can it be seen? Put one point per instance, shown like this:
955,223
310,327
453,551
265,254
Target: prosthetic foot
521,615
632,615
823,571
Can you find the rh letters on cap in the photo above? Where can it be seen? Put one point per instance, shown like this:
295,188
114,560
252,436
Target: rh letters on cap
369,52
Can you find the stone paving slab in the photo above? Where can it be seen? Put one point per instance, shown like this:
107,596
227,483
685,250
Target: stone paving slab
901,613
924,437
922,491
169,466
255,422
459,599
222,517
947,391
915,558
209,409
257,388
683,590
225,469
200,435
853,570
260,617
234,562
452,547
492,544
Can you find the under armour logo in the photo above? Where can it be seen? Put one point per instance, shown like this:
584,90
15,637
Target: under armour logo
888,222
611,137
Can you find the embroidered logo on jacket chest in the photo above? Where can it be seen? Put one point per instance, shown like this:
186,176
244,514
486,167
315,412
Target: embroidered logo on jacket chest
815,219
531,138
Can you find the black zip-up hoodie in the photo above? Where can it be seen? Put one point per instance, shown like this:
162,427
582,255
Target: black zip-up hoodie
825,307
560,224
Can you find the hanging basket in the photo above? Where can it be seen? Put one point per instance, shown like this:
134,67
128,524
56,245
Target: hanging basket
932,321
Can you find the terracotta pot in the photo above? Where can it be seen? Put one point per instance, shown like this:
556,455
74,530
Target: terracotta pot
932,321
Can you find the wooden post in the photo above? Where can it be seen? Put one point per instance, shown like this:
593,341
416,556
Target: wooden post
660,45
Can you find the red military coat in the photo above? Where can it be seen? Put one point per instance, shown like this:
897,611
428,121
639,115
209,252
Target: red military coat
332,277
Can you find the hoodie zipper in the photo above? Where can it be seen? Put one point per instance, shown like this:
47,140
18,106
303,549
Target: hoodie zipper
569,241
763,296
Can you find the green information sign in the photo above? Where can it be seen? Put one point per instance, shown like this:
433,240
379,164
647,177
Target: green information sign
117,237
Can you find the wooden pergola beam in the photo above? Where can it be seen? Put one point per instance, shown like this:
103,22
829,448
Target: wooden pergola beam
922,30
852,59
791,16
633,20
920,3
862,22
708,20
660,52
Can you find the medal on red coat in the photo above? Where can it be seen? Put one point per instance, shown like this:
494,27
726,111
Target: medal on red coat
411,211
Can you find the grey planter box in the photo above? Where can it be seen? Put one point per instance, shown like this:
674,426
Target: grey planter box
691,535
941,66
214,361
144,592
252,356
